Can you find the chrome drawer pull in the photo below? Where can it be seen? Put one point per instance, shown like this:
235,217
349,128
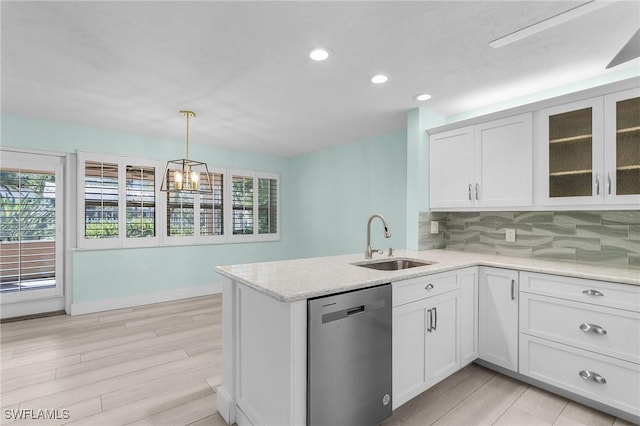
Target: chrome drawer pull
590,375
592,293
429,287
586,327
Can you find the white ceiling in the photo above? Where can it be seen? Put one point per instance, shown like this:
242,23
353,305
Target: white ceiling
243,67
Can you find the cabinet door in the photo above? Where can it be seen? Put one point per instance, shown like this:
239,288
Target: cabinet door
451,168
408,351
498,317
622,147
468,315
503,162
571,164
443,337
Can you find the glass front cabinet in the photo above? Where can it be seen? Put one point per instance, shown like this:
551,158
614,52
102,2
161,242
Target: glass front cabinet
592,153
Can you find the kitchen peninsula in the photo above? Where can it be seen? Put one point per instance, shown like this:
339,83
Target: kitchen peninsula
264,375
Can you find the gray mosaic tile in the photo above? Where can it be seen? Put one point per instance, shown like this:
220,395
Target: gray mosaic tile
491,237
533,217
626,246
521,228
534,240
553,229
496,217
457,227
512,249
561,253
427,245
464,235
455,245
603,231
603,257
463,217
478,247
634,261
634,232
625,217
577,242
480,226
577,218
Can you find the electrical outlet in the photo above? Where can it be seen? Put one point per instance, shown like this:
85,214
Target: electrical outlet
434,227
510,235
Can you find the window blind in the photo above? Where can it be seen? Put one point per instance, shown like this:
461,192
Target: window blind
242,205
267,206
100,200
141,202
212,205
180,212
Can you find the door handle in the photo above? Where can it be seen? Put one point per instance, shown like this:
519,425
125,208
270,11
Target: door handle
469,192
586,327
477,191
597,184
590,375
429,287
609,183
592,293
430,320
513,289
435,325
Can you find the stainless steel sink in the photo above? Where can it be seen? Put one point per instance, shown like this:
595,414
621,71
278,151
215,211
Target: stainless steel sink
394,264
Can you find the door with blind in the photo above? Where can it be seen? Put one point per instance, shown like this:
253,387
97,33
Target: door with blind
31,243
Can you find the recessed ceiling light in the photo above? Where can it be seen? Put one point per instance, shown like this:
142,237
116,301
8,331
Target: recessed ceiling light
319,54
423,97
379,79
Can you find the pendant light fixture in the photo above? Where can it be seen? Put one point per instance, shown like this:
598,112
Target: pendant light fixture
185,175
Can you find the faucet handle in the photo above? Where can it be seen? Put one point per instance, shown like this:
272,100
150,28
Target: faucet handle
379,251
390,251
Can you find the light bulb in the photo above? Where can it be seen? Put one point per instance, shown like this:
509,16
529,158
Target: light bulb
178,179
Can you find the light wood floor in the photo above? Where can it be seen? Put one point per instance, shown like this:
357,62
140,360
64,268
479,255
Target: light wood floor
160,365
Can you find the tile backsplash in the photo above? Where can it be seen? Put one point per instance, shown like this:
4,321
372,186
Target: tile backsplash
596,237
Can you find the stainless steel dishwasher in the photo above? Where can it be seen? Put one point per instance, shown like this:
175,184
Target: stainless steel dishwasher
349,358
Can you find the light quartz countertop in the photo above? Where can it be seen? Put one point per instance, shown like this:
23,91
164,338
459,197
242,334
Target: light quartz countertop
299,279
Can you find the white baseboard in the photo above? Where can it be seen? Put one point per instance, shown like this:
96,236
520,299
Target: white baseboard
143,299
225,405
31,307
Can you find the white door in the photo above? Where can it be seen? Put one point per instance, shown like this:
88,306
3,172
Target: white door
443,336
31,230
498,317
622,148
570,168
451,168
503,162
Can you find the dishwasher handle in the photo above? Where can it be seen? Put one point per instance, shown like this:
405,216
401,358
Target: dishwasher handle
353,311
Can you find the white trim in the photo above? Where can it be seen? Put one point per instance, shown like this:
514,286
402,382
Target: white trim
144,299
30,307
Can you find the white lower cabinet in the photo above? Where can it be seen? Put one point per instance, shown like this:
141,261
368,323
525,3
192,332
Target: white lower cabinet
426,335
582,336
468,315
498,317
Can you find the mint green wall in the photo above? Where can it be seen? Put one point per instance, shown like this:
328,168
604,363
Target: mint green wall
418,121
335,190
105,274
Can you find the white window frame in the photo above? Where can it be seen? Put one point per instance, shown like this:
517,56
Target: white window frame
122,240
44,162
196,238
255,236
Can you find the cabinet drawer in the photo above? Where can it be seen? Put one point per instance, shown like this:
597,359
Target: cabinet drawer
407,291
609,331
624,296
564,367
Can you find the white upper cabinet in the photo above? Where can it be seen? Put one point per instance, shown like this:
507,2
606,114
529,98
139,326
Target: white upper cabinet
622,148
591,152
488,165
451,158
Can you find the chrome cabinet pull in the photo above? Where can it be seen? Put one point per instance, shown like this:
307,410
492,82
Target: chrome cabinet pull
430,320
590,375
609,183
429,287
513,289
586,327
597,184
469,192
435,324
592,293
477,191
